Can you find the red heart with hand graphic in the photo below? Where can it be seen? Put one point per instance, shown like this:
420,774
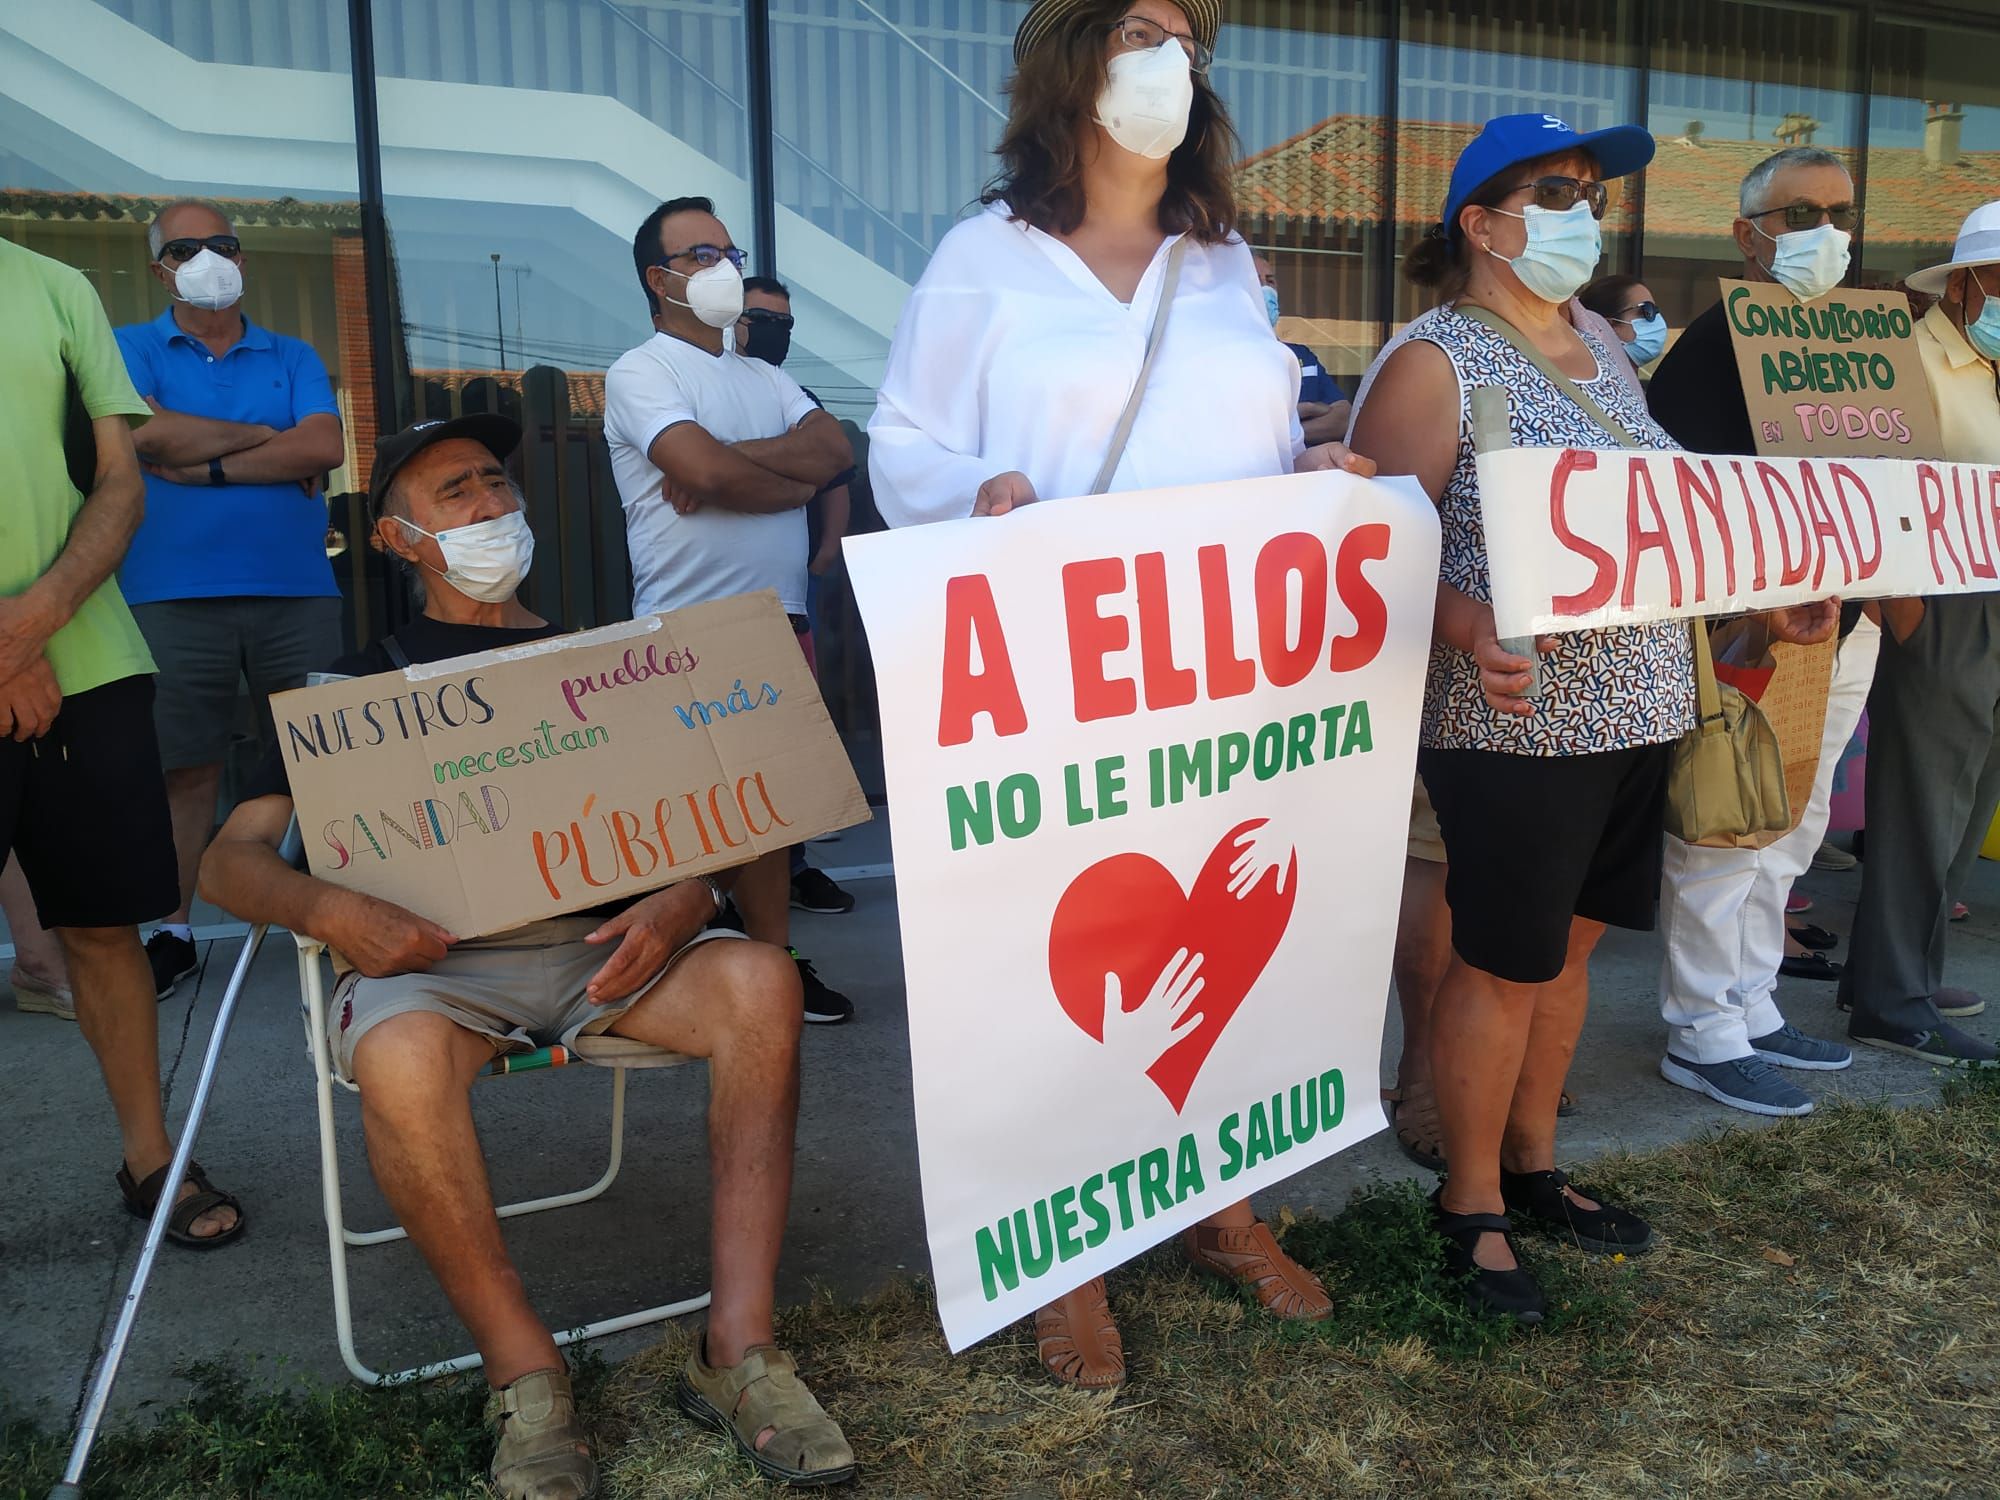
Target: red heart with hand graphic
1127,918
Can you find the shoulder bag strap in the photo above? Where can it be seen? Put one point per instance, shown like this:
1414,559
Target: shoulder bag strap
398,657
1562,382
1707,695
1126,418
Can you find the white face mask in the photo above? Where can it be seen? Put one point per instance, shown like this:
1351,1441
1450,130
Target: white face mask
1146,100
1809,263
1564,247
486,560
715,294
208,280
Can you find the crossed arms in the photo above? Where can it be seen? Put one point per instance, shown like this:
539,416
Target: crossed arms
178,447
758,477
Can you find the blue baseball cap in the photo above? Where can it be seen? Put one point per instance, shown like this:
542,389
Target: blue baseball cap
1512,139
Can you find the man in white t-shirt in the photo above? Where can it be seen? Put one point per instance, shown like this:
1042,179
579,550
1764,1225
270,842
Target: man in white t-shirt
716,456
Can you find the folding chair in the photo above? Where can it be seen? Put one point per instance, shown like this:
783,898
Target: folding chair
617,1053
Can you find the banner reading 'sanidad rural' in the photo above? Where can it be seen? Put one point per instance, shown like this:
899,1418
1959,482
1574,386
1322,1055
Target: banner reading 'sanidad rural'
491,790
1149,760
1578,539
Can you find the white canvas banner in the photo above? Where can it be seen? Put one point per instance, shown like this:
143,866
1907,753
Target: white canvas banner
1149,762
1580,539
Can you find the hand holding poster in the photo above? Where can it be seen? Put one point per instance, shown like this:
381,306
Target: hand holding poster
1150,757
1839,376
487,791
1579,539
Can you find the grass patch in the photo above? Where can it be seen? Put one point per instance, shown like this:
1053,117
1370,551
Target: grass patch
1821,1317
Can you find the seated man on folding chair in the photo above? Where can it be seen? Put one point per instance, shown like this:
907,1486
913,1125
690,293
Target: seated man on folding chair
416,1015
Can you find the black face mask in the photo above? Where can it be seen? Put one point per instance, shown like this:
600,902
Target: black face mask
768,340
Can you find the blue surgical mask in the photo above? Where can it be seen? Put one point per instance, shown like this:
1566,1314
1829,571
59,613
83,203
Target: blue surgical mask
1564,247
1271,304
1983,332
1649,339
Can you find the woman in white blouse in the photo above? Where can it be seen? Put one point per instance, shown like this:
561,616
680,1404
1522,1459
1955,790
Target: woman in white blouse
1021,345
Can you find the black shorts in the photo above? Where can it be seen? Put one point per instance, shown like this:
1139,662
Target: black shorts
1534,840
84,809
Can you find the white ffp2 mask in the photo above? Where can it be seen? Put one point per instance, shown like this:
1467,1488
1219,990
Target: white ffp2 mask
715,294
1147,99
208,280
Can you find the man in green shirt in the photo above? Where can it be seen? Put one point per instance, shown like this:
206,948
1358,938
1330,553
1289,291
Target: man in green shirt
83,804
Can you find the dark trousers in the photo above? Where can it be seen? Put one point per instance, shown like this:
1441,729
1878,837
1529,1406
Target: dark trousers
1933,785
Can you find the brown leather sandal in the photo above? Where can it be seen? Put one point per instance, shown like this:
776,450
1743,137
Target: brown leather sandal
1419,1131
1251,1257
1078,1341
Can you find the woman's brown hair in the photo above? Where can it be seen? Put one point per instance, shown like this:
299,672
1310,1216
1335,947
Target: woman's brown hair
1052,100
1442,259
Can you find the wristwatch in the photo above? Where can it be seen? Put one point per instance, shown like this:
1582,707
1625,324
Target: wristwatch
715,892
215,474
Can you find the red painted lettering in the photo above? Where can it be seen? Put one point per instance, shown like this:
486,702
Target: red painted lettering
1168,684
971,621
1598,594
1229,675
1363,544
1640,540
1300,554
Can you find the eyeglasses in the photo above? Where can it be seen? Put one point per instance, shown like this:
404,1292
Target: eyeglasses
776,319
1845,216
1137,34
705,256
1639,312
225,245
1559,194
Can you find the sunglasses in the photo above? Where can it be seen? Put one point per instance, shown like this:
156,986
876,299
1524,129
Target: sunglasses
767,315
1559,194
705,256
225,245
1639,312
1846,216
1137,34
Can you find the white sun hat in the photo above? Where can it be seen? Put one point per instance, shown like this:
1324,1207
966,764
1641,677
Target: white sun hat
1978,245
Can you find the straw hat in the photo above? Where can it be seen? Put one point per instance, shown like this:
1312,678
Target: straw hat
1978,245
1204,19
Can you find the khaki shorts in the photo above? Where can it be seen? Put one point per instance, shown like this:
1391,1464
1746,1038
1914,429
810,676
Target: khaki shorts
520,990
1426,843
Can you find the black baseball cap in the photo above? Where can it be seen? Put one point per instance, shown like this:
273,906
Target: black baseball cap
501,435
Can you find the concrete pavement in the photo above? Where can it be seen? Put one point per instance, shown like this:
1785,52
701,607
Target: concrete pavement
66,1248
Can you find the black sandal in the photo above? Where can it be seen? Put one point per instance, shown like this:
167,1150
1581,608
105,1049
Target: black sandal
1602,1231
1512,1294
141,1198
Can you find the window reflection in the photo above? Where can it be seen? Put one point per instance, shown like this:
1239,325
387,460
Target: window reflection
1731,84
1459,67
1933,142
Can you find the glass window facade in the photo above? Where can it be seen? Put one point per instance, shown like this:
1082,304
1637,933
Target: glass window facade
475,252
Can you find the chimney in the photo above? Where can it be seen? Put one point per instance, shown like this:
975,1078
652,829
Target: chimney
1944,127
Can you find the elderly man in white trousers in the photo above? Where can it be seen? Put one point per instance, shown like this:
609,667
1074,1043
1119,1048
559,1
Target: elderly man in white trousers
1722,913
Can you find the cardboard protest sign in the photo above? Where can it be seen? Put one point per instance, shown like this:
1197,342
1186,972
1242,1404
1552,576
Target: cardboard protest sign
1579,539
1839,376
491,790
1150,756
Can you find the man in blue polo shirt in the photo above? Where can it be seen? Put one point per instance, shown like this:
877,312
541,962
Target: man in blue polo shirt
228,576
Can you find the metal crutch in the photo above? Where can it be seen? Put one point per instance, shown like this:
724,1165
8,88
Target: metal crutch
71,1487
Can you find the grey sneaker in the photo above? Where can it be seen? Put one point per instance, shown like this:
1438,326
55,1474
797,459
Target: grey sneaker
1747,1083
1830,856
1946,1045
1790,1047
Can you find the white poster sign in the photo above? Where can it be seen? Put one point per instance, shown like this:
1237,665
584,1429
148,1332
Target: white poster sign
1581,539
1149,761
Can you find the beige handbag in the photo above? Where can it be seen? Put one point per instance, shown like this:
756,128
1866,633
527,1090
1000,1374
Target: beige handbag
1726,782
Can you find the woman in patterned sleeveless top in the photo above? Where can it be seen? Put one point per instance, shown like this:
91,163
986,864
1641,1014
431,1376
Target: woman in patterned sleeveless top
1548,776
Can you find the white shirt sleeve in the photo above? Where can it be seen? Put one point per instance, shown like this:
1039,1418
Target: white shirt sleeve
791,395
642,399
925,439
